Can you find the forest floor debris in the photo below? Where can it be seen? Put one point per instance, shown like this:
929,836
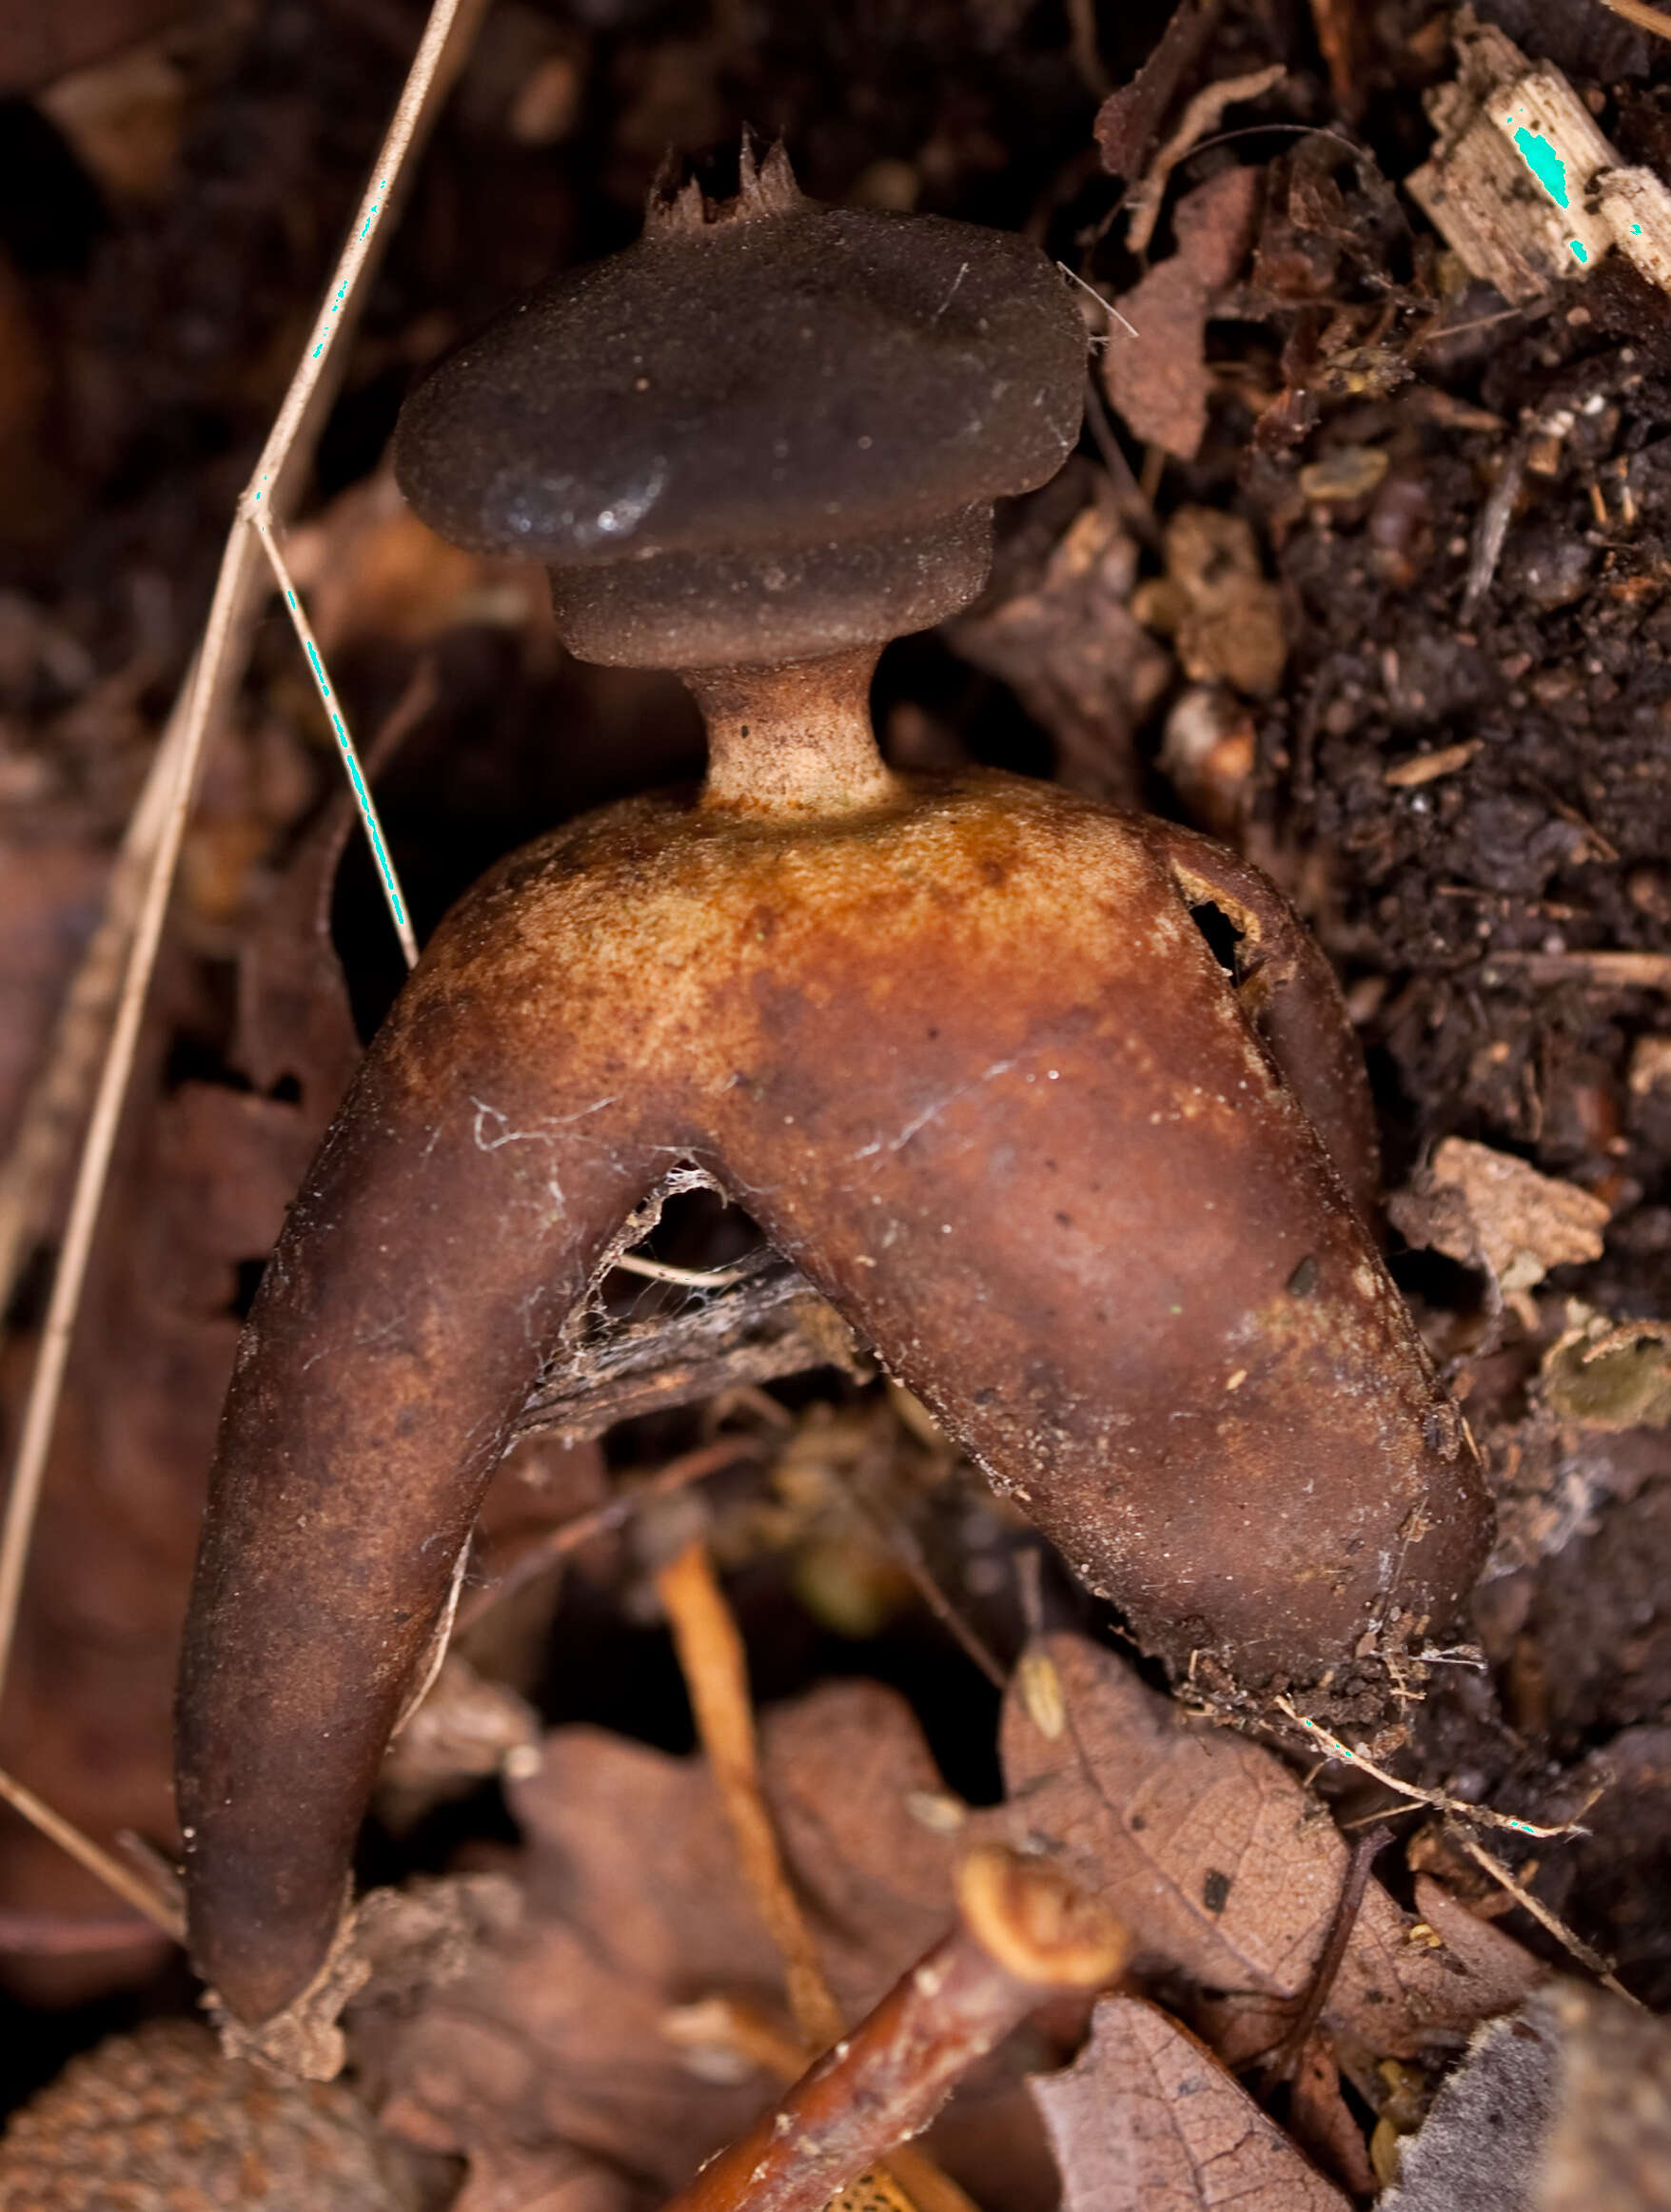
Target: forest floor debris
1368,571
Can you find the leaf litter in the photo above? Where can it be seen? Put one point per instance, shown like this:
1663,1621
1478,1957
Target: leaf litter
577,2033
1344,455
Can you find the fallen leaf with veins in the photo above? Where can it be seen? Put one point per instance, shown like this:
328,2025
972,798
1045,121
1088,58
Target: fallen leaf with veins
556,2045
553,2045
1323,2124
1225,1867
1145,2118
551,2065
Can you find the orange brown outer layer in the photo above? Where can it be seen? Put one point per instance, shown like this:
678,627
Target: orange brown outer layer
964,1056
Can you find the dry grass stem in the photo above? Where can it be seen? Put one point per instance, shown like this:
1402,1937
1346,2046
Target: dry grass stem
687,1278
716,1672
1202,113
163,1914
216,669
1457,1807
1644,17
1606,970
1585,1953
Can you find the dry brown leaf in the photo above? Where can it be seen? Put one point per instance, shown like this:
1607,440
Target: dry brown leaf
1322,2123
465,1729
205,1174
1501,1970
39,44
570,2040
505,2178
1129,118
372,570
125,117
295,1025
635,1907
1208,1848
1158,379
1147,2117
50,893
1202,114
86,1718
1490,1209
850,1778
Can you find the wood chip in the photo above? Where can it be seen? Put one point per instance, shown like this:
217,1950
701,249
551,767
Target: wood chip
1603,970
1428,767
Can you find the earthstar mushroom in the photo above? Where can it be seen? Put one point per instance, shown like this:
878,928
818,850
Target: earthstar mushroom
956,1043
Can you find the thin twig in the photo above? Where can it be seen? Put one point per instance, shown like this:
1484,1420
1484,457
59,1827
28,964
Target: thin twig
213,673
1203,111
1448,330
127,1885
1458,1808
1363,1852
688,1277
1585,1953
1023,1935
1644,17
716,1671
1604,970
1491,531
735,2024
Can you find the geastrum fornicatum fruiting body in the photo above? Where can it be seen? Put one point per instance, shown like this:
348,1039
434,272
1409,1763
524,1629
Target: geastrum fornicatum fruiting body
954,1042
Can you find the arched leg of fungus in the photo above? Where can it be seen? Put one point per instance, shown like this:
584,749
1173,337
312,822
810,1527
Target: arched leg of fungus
961,1052
450,1224
1289,990
1032,1150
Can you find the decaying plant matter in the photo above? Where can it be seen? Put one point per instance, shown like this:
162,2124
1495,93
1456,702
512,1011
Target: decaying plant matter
955,1044
1023,1935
